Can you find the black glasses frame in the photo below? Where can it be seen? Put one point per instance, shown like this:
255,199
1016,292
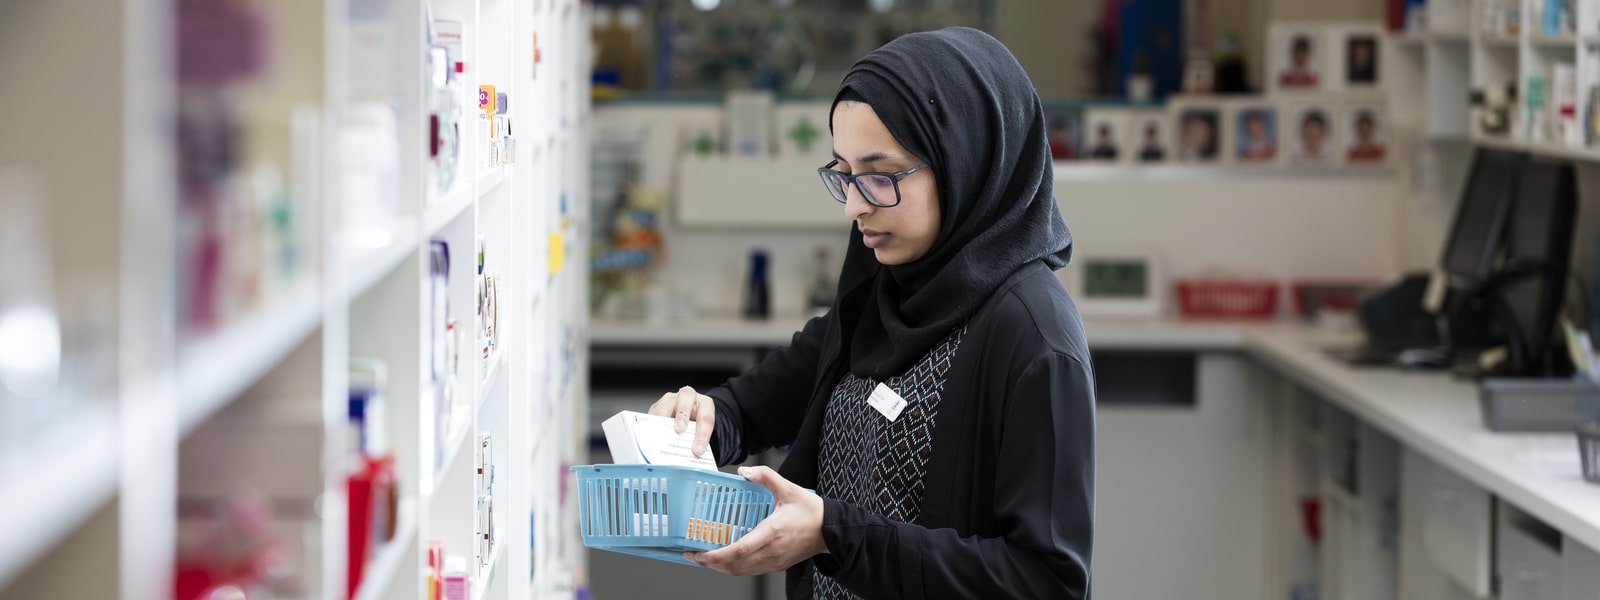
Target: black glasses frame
828,175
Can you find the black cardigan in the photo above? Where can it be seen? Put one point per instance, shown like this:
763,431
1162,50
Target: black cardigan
1008,509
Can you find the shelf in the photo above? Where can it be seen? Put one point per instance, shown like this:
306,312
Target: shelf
1563,151
490,180
460,424
382,569
56,482
1555,41
449,208
480,585
1499,41
490,378
1547,149
1456,37
372,253
216,369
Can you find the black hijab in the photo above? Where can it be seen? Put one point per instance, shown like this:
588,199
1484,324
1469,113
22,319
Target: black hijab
958,100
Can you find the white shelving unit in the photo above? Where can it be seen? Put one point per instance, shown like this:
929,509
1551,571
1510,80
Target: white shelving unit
1468,50
216,288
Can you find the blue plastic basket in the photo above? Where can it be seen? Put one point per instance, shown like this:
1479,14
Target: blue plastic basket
660,512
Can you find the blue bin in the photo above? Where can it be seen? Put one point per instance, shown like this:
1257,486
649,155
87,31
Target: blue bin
660,512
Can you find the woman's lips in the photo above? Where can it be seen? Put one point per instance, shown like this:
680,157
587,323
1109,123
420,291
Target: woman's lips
873,239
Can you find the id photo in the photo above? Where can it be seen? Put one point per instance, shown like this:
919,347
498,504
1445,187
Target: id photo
1368,144
1311,136
1199,133
1255,134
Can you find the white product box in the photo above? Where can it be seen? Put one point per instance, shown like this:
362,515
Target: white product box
641,439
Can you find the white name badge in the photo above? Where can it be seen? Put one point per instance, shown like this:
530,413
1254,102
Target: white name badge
886,402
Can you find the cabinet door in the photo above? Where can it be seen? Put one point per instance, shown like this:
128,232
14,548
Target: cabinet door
1529,568
1192,477
1456,530
1581,570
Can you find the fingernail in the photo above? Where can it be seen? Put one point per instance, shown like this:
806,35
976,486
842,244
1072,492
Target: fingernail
744,471
683,420
699,448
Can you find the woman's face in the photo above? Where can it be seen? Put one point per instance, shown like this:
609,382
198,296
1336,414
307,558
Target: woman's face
899,234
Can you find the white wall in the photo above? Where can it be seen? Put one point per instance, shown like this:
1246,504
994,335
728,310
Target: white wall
1053,42
1258,223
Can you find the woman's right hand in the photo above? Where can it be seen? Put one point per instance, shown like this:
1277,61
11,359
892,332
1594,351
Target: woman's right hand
684,405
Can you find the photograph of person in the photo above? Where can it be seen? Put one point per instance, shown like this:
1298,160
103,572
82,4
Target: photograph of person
1152,145
1361,59
1256,132
1198,133
1312,143
1299,71
1366,137
1065,134
1107,131
1105,143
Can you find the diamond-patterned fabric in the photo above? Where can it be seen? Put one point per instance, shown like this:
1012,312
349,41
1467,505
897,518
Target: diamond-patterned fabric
867,460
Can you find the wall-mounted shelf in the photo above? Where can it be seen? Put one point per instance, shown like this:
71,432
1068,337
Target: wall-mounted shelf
490,180
453,206
264,247
480,586
382,570
215,369
372,253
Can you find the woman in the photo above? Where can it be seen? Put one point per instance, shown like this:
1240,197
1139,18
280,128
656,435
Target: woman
943,409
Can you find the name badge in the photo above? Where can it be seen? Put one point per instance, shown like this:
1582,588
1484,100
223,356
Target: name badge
886,402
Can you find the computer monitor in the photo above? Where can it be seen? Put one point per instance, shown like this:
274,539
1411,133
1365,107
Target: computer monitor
1530,284
1480,218
1463,316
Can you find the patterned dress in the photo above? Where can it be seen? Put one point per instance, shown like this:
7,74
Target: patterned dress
868,460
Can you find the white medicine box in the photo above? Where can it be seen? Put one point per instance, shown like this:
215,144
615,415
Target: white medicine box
642,439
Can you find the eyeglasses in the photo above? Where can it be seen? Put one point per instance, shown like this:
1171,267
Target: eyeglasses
880,189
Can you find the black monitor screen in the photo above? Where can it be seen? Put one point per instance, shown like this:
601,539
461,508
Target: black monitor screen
1539,233
1480,218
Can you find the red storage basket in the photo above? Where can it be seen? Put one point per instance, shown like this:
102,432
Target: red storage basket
1227,299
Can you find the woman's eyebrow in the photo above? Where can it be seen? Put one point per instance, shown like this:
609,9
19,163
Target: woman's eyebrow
865,159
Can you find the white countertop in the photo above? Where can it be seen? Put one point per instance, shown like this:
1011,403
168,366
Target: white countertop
1428,412
1440,418
724,331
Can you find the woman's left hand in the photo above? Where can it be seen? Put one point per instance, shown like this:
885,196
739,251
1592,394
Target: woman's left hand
792,533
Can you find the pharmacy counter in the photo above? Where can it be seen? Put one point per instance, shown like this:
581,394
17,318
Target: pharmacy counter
1440,418
731,331
1202,469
